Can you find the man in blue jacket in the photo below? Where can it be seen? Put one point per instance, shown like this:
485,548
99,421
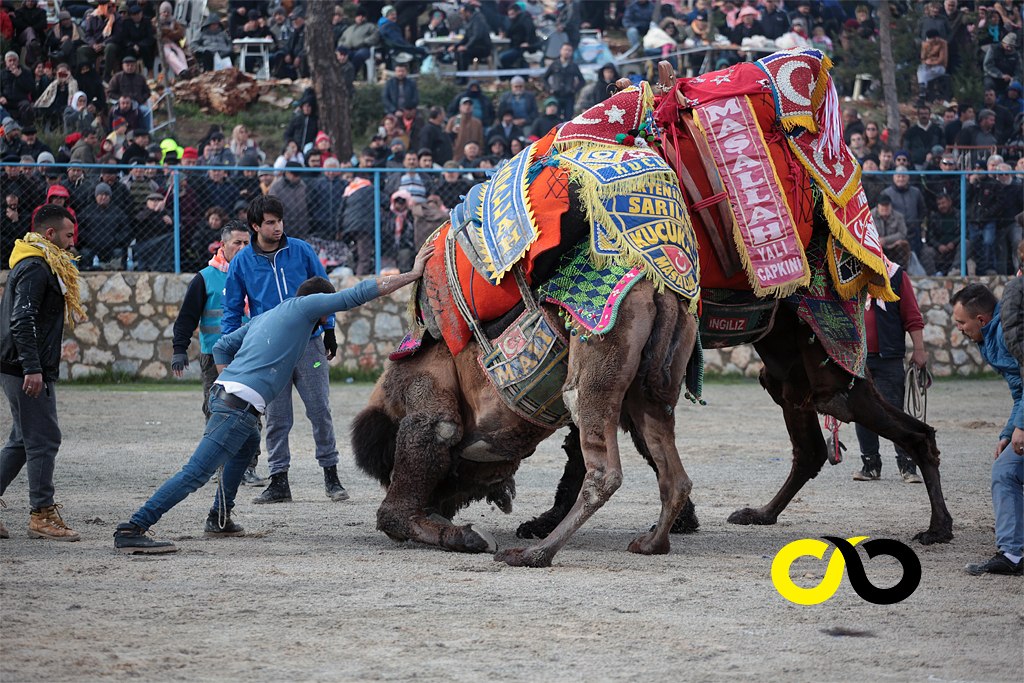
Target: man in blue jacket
977,315
277,338
268,272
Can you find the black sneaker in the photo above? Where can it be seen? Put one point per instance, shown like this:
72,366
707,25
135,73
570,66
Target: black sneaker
333,487
999,564
277,492
132,539
867,475
250,478
214,529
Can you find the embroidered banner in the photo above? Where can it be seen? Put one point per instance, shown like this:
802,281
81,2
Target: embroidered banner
618,165
854,229
766,232
498,220
625,110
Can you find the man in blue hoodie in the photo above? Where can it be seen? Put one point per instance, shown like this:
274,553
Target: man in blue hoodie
977,315
246,386
268,272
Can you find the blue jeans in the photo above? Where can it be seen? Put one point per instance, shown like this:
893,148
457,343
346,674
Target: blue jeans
146,115
983,238
566,107
633,34
1008,501
508,58
231,438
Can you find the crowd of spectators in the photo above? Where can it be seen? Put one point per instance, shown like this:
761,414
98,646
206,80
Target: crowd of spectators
438,150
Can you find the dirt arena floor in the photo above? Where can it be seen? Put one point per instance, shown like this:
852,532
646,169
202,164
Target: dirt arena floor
315,593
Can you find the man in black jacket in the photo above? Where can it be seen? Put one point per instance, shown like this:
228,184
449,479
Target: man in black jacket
563,80
476,40
434,138
16,86
32,314
138,38
305,125
30,30
521,34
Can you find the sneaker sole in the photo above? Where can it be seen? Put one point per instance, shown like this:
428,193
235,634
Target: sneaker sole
262,501
222,534
69,539
338,496
147,551
256,484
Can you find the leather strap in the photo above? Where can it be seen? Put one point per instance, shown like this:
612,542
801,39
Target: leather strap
235,402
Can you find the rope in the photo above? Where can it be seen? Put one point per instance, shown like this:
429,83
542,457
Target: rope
915,396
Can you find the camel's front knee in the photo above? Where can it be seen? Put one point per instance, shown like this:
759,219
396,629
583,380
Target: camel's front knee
599,485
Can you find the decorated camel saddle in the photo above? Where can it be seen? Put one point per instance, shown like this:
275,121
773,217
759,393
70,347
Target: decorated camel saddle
712,188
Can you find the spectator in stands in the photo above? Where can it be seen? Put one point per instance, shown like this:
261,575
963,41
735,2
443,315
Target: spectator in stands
892,230
902,158
128,111
359,38
153,220
400,92
436,27
217,154
416,184
357,221
103,230
1015,145
1008,230
30,30
774,21
79,186
1011,99
211,41
89,82
62,39
348,71
411,123
470,154
11,143
208,233
218,189
84,151
326,196
483,109
453,185
139,187
138,38
944,235
980,135
290,153
984,204
922,137
497,148
523,104
934,60
465,127
476,40
748,26
1004,118
16,87
1002,64
434,137
295,52
118,192
933,20
548,120
77,115
505,127
305,125
242,145
951,125
851,123
133,84
636,20
102,33
910,202
14,223
290,189
872,184
397,233
563,80
948,182
138,149
521,34
857,146
427,217
32,145
171,35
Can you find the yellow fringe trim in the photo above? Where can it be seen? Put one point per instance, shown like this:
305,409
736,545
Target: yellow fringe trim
790,123
821,87
871,262
851,188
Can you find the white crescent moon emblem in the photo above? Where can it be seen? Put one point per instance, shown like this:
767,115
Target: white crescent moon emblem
785,81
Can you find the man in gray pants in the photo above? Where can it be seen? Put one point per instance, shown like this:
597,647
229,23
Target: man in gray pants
268,272
43,281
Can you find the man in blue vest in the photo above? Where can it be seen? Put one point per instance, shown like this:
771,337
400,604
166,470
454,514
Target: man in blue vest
977,314
267,273
202,308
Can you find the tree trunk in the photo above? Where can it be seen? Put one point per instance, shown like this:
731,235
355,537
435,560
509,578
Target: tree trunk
331,95
892,108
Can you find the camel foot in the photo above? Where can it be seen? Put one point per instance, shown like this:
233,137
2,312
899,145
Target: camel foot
934,536
538,527
645,545
751,516
523,557
469,539
686,522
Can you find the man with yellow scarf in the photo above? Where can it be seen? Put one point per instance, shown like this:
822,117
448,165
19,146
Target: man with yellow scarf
41,293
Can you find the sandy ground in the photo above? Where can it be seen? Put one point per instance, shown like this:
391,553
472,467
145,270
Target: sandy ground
314,592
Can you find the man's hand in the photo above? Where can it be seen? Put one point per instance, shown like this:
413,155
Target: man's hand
330,344
919,358
12,215
98,47
179,363
33,384
1008,78
1018,441
461,48
420,264
1001,446
390,283
168,220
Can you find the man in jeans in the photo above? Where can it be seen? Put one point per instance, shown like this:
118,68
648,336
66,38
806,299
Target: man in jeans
41,290
977,314
268,272
278,338
886,323
202,308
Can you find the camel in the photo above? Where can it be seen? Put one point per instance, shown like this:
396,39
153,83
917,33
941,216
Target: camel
438,437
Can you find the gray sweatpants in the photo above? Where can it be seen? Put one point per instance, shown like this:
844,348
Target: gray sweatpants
311,379
34,440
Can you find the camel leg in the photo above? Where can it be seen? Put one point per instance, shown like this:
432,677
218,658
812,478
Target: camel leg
917,439
566,493
809,454
600,371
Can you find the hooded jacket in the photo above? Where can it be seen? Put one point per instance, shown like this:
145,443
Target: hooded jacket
997,354
303,129
482,107
267,280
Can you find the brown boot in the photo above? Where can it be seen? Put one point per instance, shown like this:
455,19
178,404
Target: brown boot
47,523
3,529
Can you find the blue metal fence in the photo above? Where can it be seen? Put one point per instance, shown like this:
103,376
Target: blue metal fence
170,176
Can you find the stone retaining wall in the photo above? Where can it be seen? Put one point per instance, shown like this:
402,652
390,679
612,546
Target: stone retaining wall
131,319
